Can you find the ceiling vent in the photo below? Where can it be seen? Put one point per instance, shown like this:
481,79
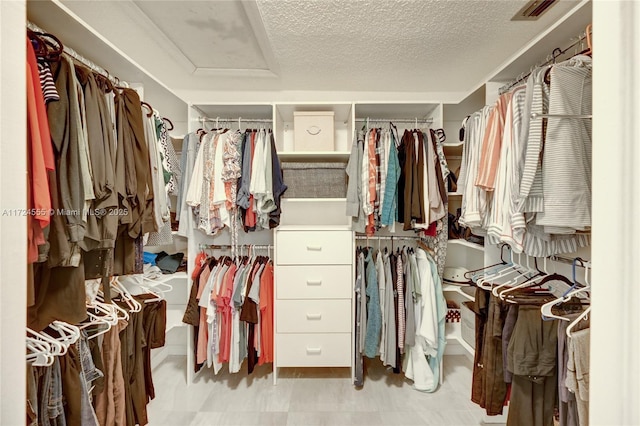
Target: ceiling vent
533,10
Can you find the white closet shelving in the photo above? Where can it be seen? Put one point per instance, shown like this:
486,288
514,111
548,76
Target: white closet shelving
236,115
284,131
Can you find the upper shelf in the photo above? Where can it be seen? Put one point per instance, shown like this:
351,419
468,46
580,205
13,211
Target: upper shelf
235,111
397,110
465,243
342,110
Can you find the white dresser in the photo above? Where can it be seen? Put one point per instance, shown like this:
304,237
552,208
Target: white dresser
313,296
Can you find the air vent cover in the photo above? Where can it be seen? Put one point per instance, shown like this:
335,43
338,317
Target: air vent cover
533,10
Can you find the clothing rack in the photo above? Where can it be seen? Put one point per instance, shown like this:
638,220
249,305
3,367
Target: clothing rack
396,120
550,59
535,115
554,257
229,246
75,55
384,237
239,119
578,261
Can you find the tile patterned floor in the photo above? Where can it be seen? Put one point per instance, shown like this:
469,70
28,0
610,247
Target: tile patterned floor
310,397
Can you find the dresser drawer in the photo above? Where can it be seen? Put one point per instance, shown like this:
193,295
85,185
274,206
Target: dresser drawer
314,282
314,247
313,350
313,316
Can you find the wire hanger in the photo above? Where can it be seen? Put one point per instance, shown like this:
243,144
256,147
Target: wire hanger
583,316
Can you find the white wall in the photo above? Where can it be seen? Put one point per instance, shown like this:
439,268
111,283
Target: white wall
13,229
615,320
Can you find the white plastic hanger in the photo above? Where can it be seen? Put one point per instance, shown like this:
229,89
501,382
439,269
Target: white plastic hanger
496,290
134,305
546,309
57,348
528,283
69,334
582,316
39,352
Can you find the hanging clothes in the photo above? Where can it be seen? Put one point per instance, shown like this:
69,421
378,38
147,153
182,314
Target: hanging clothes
232,176
231,309
503,156
403,319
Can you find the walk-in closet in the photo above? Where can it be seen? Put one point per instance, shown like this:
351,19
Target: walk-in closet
304,212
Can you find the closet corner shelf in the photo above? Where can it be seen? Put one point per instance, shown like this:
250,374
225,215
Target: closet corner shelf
313,155
174,319
457,289
454,194
465,243
455,337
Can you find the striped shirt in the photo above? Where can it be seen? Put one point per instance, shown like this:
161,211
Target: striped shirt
531,195
400,289
567,153
46,81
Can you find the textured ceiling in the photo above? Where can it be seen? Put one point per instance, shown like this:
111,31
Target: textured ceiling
219,33
195,47
394,45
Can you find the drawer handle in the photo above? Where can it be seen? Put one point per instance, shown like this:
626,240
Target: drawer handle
314,282
314,316
314,350
314,248
314,130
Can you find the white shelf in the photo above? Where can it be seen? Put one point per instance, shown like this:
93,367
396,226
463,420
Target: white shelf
454,194
174,319
452,288
465,243
313,155
452,145
453,333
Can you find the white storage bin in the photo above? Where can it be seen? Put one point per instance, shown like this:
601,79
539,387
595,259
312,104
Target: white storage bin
313,130
468,324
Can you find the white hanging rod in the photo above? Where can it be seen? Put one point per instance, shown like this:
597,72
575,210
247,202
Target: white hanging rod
383,237
246,120
569,261
550,59
535,115
78,57
396,120
228,246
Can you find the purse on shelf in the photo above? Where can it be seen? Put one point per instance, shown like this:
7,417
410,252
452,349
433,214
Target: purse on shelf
457,231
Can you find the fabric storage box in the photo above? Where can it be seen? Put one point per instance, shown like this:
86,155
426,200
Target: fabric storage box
468,324
313,131
315,180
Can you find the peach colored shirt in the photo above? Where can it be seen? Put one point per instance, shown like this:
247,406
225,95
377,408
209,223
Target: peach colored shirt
491,144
